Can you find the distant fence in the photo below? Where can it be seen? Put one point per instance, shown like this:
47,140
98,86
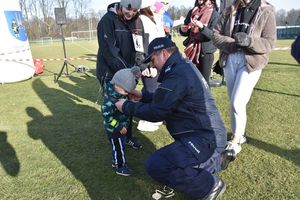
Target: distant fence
287,32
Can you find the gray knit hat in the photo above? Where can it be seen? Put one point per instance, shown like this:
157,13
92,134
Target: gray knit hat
132,4
126,78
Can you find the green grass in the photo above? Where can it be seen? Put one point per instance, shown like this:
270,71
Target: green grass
52,144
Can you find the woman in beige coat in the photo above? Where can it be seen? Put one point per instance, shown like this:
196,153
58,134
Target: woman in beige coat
245,35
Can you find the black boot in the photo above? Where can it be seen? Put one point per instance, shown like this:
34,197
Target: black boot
217,190
227,156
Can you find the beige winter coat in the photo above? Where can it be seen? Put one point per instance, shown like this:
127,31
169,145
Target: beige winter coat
262,33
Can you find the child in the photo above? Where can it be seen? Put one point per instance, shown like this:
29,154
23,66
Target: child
115,122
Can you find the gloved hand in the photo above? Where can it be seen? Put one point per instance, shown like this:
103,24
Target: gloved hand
150,72
139,57
136,71
242,39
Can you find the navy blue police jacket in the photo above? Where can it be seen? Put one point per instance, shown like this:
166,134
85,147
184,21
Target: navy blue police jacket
183,100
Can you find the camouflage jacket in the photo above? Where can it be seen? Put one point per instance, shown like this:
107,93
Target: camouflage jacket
113,119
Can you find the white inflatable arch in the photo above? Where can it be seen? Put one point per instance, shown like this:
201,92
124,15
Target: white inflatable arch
16,62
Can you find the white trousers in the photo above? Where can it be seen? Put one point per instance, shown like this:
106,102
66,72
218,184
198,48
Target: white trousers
240,84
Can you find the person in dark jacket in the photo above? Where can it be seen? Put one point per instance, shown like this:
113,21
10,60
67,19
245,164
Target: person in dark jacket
183,100
198,26
119,35
295,49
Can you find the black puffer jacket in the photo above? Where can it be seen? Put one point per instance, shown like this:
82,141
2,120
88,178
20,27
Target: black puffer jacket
116,49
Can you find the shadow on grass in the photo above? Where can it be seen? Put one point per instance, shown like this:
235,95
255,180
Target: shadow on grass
74,134
290,155
279,63
8,157
83,87
91,57
270,91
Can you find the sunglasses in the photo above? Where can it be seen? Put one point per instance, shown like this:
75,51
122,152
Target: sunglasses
165,3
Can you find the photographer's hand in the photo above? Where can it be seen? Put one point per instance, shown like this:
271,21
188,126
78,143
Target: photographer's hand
185,28
242,39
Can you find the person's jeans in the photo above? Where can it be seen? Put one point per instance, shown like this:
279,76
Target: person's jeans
240,84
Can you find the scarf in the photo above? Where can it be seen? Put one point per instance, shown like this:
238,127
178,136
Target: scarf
244,17
193,45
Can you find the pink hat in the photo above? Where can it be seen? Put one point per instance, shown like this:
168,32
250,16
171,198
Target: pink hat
158,6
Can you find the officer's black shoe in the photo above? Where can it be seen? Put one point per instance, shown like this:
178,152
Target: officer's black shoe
218,189
227,156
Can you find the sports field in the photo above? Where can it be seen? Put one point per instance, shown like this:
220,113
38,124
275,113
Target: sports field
52,144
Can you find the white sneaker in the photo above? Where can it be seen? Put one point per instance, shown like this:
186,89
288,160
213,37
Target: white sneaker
157,123
235,146
147,126
242,139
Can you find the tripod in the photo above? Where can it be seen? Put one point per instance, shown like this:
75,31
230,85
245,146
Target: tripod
66,62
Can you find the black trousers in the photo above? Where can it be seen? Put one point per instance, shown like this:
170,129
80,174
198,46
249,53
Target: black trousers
186,165
118,150
205,65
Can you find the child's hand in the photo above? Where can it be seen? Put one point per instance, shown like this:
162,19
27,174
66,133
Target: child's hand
135,95
123,131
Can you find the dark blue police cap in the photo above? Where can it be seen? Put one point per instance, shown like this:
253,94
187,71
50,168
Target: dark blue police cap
156,45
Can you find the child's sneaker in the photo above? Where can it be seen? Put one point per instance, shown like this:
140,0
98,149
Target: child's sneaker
134,143
124,171
113,165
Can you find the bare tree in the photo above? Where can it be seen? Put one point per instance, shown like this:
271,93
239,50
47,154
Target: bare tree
40,19
47,7
176,12
81,7
33,8
280,17
24,9
64,3
293,17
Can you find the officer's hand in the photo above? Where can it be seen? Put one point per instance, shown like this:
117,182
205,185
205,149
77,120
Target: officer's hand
139,58
242,39
136,71
119,104
150,72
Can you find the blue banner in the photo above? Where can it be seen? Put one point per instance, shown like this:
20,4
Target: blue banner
15,24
